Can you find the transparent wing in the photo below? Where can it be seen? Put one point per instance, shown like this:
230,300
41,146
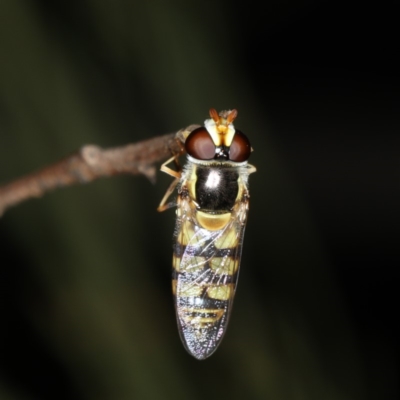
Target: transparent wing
206,267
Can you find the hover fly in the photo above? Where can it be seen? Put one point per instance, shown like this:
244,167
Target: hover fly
212,206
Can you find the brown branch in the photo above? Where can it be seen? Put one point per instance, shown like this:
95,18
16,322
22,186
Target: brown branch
90,163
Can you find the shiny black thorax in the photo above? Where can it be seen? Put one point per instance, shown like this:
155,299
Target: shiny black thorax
216,187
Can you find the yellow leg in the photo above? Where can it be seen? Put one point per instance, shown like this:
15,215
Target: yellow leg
251,168
177,175
169,171
163,204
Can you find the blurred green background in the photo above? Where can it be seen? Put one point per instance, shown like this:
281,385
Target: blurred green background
86,308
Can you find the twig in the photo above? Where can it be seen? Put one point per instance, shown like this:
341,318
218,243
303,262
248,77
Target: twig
90,163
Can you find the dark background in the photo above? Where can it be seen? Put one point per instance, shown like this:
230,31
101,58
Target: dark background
86,309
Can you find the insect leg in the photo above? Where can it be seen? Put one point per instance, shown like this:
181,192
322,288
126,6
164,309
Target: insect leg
177,175
163,204
169,171
251,169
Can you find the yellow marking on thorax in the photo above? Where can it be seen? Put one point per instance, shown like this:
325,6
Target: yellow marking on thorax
190,182
212,222
242,188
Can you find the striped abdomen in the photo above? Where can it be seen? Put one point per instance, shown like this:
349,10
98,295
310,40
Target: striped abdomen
205,272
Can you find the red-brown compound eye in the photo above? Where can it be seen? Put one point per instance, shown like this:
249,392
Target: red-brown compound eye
199,145
240,148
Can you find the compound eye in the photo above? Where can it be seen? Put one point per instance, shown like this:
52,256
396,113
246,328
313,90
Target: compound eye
240,148
199,144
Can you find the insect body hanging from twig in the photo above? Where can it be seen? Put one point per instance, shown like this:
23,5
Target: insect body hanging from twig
212,207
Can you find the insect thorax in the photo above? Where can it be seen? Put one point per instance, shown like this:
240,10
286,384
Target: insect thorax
214,187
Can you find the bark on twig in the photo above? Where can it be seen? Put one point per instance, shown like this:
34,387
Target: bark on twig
90,163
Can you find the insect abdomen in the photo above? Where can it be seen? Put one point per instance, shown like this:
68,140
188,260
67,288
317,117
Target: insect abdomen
204,281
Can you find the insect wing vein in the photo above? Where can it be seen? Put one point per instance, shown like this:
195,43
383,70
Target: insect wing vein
206,267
